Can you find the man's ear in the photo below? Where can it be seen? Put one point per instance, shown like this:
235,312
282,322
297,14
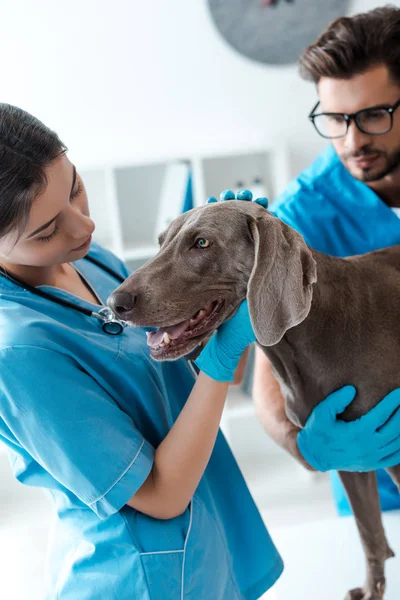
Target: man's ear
279,291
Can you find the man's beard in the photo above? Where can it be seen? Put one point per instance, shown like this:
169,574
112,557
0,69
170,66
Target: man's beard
369,174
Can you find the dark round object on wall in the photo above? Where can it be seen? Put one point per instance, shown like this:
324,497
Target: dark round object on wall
274,31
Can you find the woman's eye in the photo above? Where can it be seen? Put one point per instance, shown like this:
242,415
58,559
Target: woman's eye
202,243
47,238
77,190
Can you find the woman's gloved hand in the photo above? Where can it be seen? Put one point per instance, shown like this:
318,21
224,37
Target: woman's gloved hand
369,443
220,357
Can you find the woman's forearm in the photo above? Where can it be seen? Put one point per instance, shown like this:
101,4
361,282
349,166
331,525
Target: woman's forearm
270,407
182,457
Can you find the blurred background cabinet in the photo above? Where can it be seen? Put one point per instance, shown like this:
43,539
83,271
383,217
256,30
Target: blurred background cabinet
132,203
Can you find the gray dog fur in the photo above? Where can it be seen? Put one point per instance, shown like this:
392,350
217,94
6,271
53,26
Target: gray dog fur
323,322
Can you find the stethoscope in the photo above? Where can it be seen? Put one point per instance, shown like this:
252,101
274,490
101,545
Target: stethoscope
110,323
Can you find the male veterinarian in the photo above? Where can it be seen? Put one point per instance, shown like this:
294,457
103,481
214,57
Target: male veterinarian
348,201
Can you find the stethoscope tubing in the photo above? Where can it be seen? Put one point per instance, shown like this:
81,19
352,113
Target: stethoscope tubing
111,324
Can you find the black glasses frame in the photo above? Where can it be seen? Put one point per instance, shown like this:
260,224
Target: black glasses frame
354,117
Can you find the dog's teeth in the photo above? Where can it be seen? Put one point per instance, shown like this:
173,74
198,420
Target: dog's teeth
166,338
202,314
192,321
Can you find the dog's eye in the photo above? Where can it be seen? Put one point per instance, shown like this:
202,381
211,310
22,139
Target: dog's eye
202,243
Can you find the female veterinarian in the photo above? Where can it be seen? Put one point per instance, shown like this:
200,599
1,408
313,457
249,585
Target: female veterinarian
150,504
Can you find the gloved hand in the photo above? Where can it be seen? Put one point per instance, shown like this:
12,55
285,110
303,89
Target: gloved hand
240,195
220,357
369,443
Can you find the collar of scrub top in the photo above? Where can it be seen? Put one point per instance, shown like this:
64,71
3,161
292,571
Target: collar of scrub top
110,323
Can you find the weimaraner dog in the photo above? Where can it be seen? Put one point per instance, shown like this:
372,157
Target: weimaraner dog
323,322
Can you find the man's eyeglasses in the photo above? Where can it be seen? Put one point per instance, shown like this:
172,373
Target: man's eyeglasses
376,120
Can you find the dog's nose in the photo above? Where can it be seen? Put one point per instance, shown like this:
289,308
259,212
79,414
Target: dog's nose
121,303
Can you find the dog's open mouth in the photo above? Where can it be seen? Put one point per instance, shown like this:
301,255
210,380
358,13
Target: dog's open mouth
175,337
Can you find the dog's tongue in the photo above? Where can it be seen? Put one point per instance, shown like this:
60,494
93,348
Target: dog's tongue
174,331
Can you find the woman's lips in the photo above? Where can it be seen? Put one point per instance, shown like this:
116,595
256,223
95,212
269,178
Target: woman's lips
84,245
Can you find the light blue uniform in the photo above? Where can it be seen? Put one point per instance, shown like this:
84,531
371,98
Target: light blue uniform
82,412
340,216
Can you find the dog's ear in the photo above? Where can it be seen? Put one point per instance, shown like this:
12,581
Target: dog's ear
280,286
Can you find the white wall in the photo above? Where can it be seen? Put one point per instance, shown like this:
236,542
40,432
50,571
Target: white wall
128,79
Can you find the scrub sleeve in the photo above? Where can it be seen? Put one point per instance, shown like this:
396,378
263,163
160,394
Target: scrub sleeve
76,432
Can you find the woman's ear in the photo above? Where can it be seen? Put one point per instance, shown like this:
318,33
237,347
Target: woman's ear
279,291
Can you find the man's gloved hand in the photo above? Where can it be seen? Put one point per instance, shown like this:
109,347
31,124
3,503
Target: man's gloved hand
220,357
369,443
245,195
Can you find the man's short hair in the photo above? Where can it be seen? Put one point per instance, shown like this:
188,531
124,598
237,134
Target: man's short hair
352,45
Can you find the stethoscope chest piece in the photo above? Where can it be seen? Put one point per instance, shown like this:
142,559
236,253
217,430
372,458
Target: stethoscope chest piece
111,324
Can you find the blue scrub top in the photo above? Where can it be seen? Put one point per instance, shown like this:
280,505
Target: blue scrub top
340,216
82,412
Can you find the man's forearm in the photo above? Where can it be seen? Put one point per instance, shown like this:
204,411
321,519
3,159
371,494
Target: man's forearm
270,408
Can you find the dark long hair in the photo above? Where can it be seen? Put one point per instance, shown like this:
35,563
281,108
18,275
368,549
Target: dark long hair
352,45
26,148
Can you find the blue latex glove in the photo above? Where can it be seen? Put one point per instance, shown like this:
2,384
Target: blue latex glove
220,357
369,443
245,195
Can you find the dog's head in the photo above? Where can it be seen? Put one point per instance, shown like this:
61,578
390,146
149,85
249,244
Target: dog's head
210,259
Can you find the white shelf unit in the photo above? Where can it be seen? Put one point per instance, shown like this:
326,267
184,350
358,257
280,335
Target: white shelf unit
125,198
125,203
241,171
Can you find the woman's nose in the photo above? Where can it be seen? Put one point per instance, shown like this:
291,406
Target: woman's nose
81,226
